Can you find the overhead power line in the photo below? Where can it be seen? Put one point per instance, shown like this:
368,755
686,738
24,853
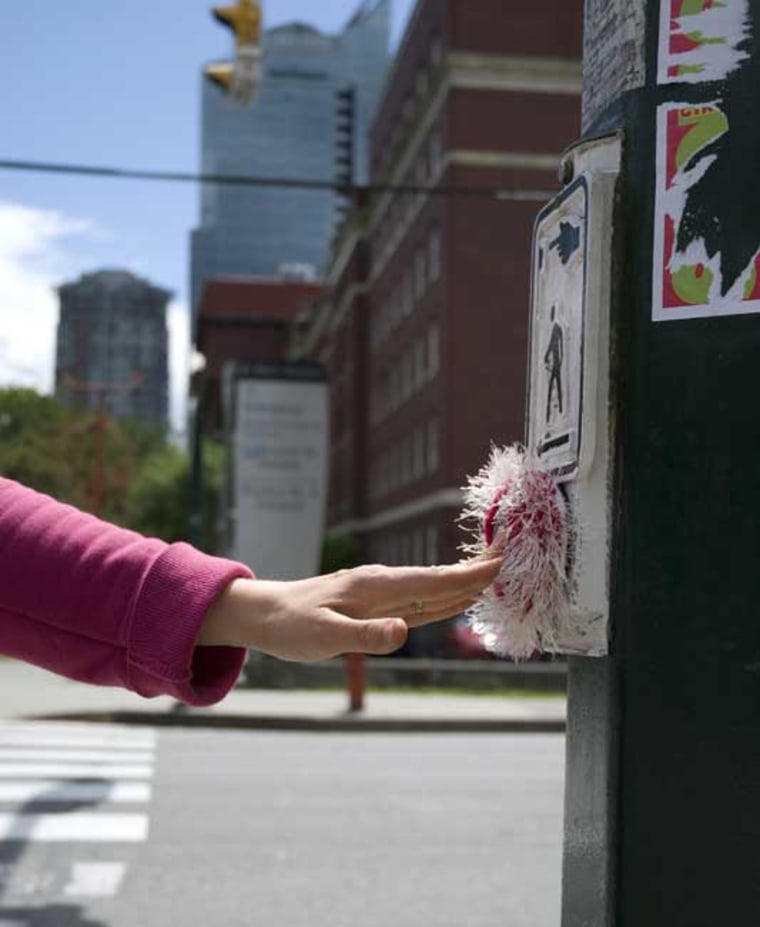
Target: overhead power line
285,183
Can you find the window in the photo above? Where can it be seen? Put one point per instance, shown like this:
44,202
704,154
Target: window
419,273
435,153
418,554
432,545
420,171
408,292
423,82
418,465
434,255
394,309
434,350
405,471
436,52
408,375
419,363
433,446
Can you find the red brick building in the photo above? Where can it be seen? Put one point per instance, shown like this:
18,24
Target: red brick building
424,320
245,319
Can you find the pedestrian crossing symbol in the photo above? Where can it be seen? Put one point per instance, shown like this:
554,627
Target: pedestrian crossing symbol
557,332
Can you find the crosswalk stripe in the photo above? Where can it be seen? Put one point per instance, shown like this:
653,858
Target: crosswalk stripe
14,754
59,739
74,827
52,790
95,880
75,771
112,740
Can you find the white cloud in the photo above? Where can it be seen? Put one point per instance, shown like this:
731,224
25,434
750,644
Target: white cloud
37,252
33,259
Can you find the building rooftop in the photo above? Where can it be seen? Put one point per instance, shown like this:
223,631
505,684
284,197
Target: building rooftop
262,297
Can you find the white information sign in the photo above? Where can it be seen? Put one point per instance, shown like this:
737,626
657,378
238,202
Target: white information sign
279,474
555,406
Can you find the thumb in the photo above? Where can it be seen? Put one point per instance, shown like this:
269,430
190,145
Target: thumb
379,636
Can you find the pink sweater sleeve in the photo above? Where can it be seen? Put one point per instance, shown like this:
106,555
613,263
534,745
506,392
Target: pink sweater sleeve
103,605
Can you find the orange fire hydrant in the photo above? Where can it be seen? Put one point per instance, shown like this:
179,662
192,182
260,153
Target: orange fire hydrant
356,680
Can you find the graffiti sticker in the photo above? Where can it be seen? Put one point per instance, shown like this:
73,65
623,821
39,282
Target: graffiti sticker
700,39
692,277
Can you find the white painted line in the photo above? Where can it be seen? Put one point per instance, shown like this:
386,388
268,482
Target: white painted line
74,771
95,880
74,828
14,754
50,790
27,736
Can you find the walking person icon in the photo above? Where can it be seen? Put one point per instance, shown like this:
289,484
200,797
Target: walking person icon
553,362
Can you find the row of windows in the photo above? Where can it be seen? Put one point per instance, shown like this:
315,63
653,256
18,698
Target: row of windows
423,271
403,207
416,548
413,457
414,98
397,383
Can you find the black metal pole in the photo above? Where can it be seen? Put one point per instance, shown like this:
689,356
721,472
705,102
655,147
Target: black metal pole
663,774
195,499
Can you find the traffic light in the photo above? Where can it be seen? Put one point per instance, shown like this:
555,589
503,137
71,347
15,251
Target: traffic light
345,123
240,78
244,19
221,74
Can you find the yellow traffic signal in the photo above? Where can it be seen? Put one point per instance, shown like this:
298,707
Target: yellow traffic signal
244,19
241,78
221,74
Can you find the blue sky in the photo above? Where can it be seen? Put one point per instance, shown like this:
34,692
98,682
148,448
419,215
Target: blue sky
111,83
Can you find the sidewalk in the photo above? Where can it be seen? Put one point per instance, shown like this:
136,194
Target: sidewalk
27,692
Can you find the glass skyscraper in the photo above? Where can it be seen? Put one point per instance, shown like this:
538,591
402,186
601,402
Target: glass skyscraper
288,131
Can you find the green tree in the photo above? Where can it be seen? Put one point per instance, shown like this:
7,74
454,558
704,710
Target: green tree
53,449
159,498
340,552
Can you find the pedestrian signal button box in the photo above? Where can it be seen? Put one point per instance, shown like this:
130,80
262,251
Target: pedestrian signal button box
569,428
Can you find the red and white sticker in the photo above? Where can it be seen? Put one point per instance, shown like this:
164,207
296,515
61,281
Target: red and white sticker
688,283
700,39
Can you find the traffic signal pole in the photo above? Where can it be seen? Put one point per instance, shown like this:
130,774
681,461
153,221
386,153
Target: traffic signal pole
662,820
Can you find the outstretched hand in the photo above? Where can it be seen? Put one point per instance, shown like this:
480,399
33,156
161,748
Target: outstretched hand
365,610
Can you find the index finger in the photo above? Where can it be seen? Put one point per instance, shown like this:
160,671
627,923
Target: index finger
391,590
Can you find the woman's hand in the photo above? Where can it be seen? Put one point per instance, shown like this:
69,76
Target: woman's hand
365,610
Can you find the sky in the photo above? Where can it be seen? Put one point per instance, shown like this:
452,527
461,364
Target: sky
117,84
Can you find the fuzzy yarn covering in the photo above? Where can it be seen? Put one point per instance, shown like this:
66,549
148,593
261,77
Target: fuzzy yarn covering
523,510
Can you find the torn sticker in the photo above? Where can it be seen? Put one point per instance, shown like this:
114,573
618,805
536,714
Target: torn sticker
693,277
700,40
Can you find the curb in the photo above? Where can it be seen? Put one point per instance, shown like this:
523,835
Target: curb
347,723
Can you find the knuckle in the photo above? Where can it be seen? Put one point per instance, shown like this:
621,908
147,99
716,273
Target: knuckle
372,572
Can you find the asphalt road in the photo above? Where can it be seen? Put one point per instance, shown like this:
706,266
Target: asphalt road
106,827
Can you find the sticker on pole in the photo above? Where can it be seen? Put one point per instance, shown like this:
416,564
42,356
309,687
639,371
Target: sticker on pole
555,404
699,271
701,40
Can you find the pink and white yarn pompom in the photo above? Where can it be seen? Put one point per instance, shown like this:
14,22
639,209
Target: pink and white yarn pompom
524,510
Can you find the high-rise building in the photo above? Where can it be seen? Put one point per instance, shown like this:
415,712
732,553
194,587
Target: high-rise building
288,131
113,339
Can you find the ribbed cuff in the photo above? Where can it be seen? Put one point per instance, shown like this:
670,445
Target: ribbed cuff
173,601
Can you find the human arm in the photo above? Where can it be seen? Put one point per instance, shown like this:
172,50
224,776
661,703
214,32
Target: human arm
364,610
103,605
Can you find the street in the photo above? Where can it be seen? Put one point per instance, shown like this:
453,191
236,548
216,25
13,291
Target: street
118,827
